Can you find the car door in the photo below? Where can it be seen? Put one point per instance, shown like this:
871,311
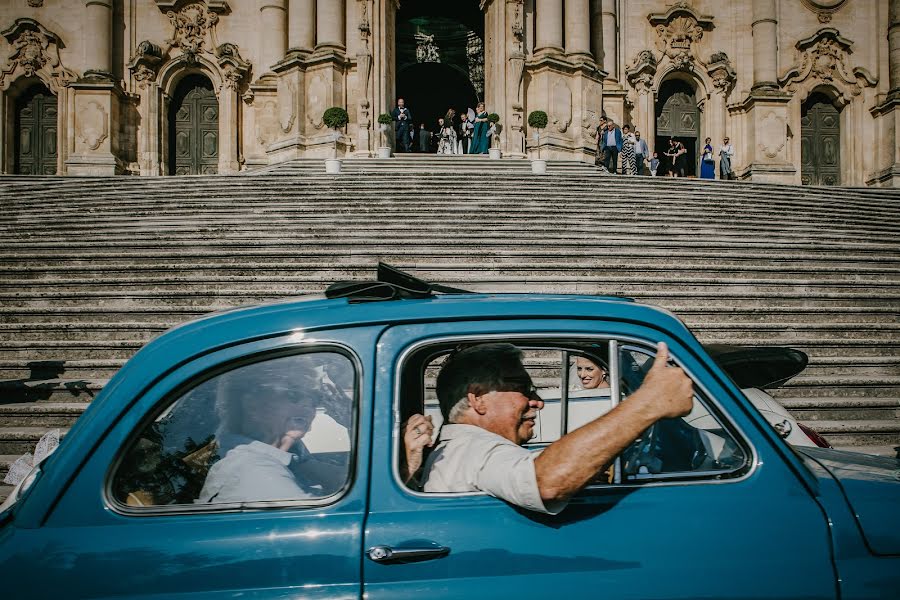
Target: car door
754,532
143,518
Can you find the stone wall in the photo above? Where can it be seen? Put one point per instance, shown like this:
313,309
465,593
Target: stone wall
276,65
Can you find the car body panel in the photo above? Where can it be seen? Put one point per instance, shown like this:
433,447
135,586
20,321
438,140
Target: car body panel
866,481
640,541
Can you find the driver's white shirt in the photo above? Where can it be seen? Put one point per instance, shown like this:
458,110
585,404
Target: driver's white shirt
472,459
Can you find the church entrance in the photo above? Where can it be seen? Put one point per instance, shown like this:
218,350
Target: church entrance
820,142
194,128
440,58
35,132
677,116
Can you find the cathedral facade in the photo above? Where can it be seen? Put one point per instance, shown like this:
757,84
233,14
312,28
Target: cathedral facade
808,91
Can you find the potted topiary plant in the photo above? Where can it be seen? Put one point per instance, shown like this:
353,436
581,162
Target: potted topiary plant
494,132
384,123
335,118
537,119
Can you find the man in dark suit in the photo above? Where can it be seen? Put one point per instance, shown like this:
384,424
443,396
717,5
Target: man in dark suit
403,119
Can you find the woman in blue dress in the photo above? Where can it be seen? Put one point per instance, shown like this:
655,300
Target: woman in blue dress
707,162
479,143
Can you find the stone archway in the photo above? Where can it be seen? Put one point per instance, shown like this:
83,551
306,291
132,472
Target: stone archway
820,141
678,116
193,123
439,57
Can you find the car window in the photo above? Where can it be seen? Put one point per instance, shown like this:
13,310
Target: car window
278,429
580,382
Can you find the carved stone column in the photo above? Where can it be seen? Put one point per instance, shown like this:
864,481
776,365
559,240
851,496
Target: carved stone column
273,33
330,25
578,29
98,36
894,48
302,25
610,35
596,25
549,18
765,44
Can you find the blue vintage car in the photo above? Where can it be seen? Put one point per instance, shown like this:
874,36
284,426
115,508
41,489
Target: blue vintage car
168,487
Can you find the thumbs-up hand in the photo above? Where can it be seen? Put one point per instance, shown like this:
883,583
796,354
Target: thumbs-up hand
667,390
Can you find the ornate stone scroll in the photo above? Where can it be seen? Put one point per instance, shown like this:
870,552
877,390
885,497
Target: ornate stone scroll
642,71
35,52
145,63
824,9
721,72
679,31
822,58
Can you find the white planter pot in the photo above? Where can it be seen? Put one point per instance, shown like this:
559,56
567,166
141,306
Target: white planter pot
332,166
539,166
384,151
494,153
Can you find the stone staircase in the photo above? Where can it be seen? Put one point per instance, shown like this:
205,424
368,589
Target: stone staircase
93,268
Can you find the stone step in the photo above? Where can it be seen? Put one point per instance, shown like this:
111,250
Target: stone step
820,388
888,450
22,335
810,410
40,414
65,273
5,491
45,387
59,368
19,440
860,432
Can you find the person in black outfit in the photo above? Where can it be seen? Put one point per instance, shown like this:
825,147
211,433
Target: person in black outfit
403,118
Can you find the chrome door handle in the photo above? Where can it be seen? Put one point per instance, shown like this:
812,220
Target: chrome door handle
384,554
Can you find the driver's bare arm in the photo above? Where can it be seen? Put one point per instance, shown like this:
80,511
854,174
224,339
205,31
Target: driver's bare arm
568,464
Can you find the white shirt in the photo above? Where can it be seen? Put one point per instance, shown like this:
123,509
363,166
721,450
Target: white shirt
251,473
727,149
472,459
611,137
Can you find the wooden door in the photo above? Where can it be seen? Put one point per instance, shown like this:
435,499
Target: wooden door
820,143
194,129
35,132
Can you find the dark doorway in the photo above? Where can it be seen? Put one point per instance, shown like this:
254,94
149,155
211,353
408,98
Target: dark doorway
194,128
35,132
677,116
440,57
820,142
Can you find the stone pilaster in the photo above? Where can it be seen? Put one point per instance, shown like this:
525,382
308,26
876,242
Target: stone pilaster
765,112
549,38
610,37
96,98
302,25
98,37
765,44
596,16
887,114
578,30
330,26
273,34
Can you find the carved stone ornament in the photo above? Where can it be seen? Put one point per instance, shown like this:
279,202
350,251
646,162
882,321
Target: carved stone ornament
145,63
822,58
824,9
35,3
721,72
35,52
641,73
93,127
234,68
679,31
193,24
216,6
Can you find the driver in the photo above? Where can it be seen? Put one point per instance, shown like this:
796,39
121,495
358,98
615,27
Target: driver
489,405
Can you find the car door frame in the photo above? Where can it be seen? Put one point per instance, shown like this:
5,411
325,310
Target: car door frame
441,515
